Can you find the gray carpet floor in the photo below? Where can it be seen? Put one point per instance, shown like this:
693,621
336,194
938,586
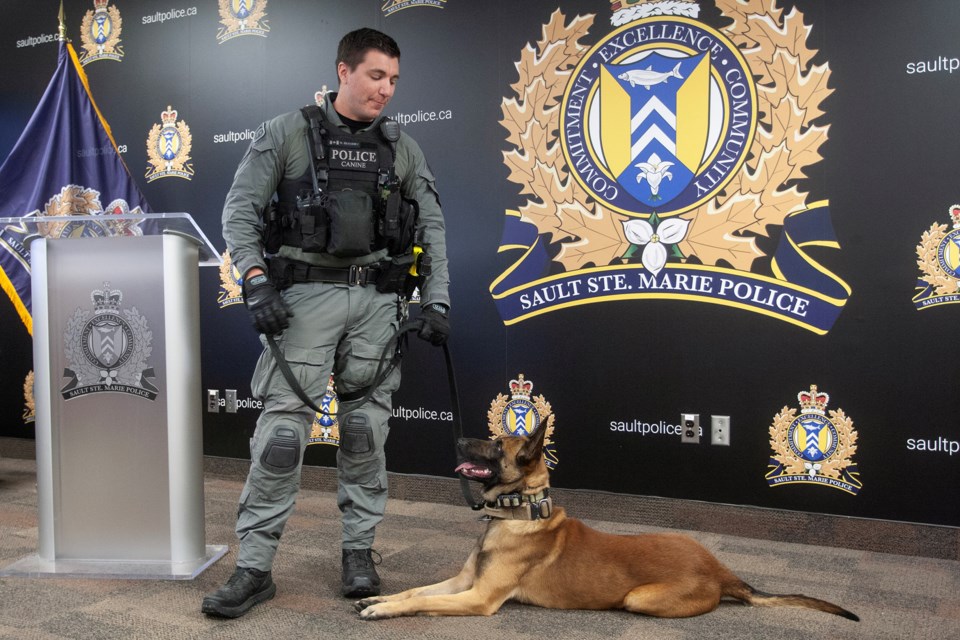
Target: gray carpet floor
896,596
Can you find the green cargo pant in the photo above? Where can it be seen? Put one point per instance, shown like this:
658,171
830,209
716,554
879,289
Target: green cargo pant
338,328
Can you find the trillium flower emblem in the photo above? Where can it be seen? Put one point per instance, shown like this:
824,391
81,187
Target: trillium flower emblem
653,240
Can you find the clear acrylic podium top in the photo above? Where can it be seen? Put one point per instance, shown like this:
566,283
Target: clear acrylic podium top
20,232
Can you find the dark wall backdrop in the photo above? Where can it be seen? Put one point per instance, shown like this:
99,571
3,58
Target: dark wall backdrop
889,169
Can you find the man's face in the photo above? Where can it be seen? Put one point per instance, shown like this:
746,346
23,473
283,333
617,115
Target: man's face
365,91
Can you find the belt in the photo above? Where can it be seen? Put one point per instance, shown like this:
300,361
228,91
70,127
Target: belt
353,275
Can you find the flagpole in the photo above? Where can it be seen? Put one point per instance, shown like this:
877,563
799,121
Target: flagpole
63,24
62,37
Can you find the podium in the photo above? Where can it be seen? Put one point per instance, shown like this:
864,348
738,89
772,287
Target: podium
117,390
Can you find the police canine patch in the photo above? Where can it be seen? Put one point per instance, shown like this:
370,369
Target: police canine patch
108,349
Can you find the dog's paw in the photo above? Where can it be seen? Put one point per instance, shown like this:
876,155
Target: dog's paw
376,611
360,605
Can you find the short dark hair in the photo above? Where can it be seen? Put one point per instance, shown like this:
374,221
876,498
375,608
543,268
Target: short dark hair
353,46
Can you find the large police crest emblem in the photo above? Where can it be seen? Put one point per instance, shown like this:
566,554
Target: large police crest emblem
168,148
108,349
938,256
100,33
661,160
242,18
813,447
522,414
72,200
326,427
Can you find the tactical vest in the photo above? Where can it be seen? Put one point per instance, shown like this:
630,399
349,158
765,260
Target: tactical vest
348,202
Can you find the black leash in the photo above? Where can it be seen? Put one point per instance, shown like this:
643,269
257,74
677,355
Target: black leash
378,379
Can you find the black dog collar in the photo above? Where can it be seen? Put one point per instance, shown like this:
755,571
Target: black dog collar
519,506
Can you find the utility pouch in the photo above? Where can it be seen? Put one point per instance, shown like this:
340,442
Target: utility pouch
409,216
422,267
351,219
398,223
394,273
272,228
313,222
280,272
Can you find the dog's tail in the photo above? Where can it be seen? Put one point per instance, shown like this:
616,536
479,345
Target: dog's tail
745,593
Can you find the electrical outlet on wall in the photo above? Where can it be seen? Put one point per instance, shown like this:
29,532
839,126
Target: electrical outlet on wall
720,430
690,428
213,400
231,400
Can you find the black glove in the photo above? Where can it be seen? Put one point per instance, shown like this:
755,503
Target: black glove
434,325
266,306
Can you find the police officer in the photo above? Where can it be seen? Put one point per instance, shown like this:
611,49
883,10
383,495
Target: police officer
337,172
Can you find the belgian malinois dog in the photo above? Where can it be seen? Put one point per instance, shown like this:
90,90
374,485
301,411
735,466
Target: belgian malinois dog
533,553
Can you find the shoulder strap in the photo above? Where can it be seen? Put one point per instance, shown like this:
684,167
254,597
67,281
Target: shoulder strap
317,137
390,131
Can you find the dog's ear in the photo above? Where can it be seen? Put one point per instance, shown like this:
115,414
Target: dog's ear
532,449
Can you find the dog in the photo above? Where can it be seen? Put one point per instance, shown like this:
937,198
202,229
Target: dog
531,552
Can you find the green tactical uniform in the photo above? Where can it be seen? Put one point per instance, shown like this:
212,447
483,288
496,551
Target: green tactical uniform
335,327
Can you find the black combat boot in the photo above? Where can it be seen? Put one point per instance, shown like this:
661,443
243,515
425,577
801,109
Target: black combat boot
360,579
245,588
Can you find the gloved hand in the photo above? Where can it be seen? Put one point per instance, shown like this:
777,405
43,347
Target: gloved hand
268,311
434,325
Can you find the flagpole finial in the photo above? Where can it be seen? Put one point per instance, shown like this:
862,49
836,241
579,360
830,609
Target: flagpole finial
63,24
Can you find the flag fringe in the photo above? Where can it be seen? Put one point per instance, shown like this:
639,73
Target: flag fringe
11,291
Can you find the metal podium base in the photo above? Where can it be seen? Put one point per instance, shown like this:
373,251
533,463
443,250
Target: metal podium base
34,567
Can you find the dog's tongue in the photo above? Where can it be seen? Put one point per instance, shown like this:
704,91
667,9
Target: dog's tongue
472,470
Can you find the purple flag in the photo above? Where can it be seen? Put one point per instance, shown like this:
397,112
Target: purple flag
65,163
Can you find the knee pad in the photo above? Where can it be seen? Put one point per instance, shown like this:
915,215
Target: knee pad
356,434
282,451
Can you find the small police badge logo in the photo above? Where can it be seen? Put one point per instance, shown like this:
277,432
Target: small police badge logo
392,6
813,448
108,349
326,428
231,283
29,404
319,96
242,18
521,415
938,256
100,33
168,148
